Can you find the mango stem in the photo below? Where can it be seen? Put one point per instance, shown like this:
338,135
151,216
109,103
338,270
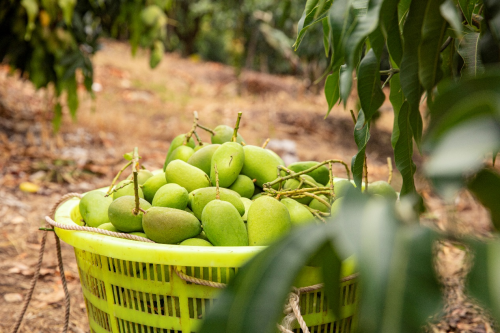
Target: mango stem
217,194
135,162
236,127
193,128
118,188
389,165
117,176
265,143
211,131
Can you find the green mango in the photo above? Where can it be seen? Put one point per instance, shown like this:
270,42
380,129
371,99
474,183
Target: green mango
200,198
316,204
320,175
169,225
258,195
260,164
127,190
292,184
176,142
195,242
121,213
336,207
384,189
108,226
139,233
244,186
142,176
76,216
152,185
257,190
223,225
229,159
186,175
268,220
171,195
280,160
202,159
224,133
298,213
182,153
341,187
94,208
247,203
203,145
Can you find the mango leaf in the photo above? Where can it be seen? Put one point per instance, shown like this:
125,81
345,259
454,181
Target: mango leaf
486,187
429,58
403,151
414,293
392,33
370,91
468,48
460,102
339,20
397,98
253,301
451,14
377,42
403,9
410,83
67,7
332,89
31,7
56,121
467,8
364,26
72,96
482,281
361,137
331,264
377,236
345,83
313,17
326,36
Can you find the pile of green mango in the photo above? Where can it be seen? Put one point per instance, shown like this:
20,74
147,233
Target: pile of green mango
217,194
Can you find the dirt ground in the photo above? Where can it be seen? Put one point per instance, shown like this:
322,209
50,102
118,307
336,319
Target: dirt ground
137,106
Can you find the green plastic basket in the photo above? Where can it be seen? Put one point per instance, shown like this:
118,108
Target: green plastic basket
120,298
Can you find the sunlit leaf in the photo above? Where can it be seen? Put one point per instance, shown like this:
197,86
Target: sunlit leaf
370,91
486,187
433,34
452,15
314,16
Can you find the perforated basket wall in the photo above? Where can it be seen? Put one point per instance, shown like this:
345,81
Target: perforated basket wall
131,286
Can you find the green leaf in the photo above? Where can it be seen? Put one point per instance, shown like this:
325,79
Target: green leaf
345,83
403,151
326,36
331,267
397,98
339,20
362,28
361,137
403,9
313,17
460,102
71,90
468,48
410,83
467,7
393,36
370,91
67,7
332,89
376,241
413,293
429,58
128,156
56,121
452,15
486,187
31,7
254,299
482,281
